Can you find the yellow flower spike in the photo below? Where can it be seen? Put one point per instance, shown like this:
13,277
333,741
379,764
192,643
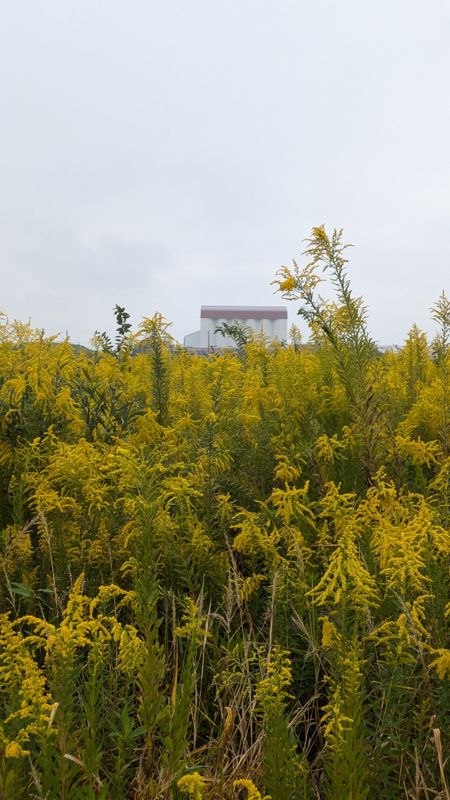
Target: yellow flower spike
442,663
273,690
329,632
248,586
192,785
288,284
23,686
192,623
253,792
14,750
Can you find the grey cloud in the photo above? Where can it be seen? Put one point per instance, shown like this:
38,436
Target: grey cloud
165,154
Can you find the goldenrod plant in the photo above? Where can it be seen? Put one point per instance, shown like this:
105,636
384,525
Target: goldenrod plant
226,576
284,771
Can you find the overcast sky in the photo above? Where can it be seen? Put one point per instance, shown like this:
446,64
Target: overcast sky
164,154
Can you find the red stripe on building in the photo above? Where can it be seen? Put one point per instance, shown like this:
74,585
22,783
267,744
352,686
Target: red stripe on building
243,312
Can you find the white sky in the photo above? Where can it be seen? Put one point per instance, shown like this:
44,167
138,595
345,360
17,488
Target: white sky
163,154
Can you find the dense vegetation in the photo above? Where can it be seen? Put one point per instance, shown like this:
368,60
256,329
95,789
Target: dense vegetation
227,576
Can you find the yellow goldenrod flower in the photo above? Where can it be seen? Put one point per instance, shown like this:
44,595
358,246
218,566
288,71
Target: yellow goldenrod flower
252,792
14,750
329,632
193,785
442,663
288,284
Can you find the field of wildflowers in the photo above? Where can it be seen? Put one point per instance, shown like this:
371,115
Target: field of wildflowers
227,577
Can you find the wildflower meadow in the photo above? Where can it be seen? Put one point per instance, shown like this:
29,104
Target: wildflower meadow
226,576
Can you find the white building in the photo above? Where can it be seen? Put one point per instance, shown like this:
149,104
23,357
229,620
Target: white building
270,320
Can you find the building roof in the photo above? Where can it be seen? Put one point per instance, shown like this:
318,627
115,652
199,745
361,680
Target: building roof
243,312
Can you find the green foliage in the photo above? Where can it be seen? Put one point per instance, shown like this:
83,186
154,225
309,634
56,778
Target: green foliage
240,334
122,339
